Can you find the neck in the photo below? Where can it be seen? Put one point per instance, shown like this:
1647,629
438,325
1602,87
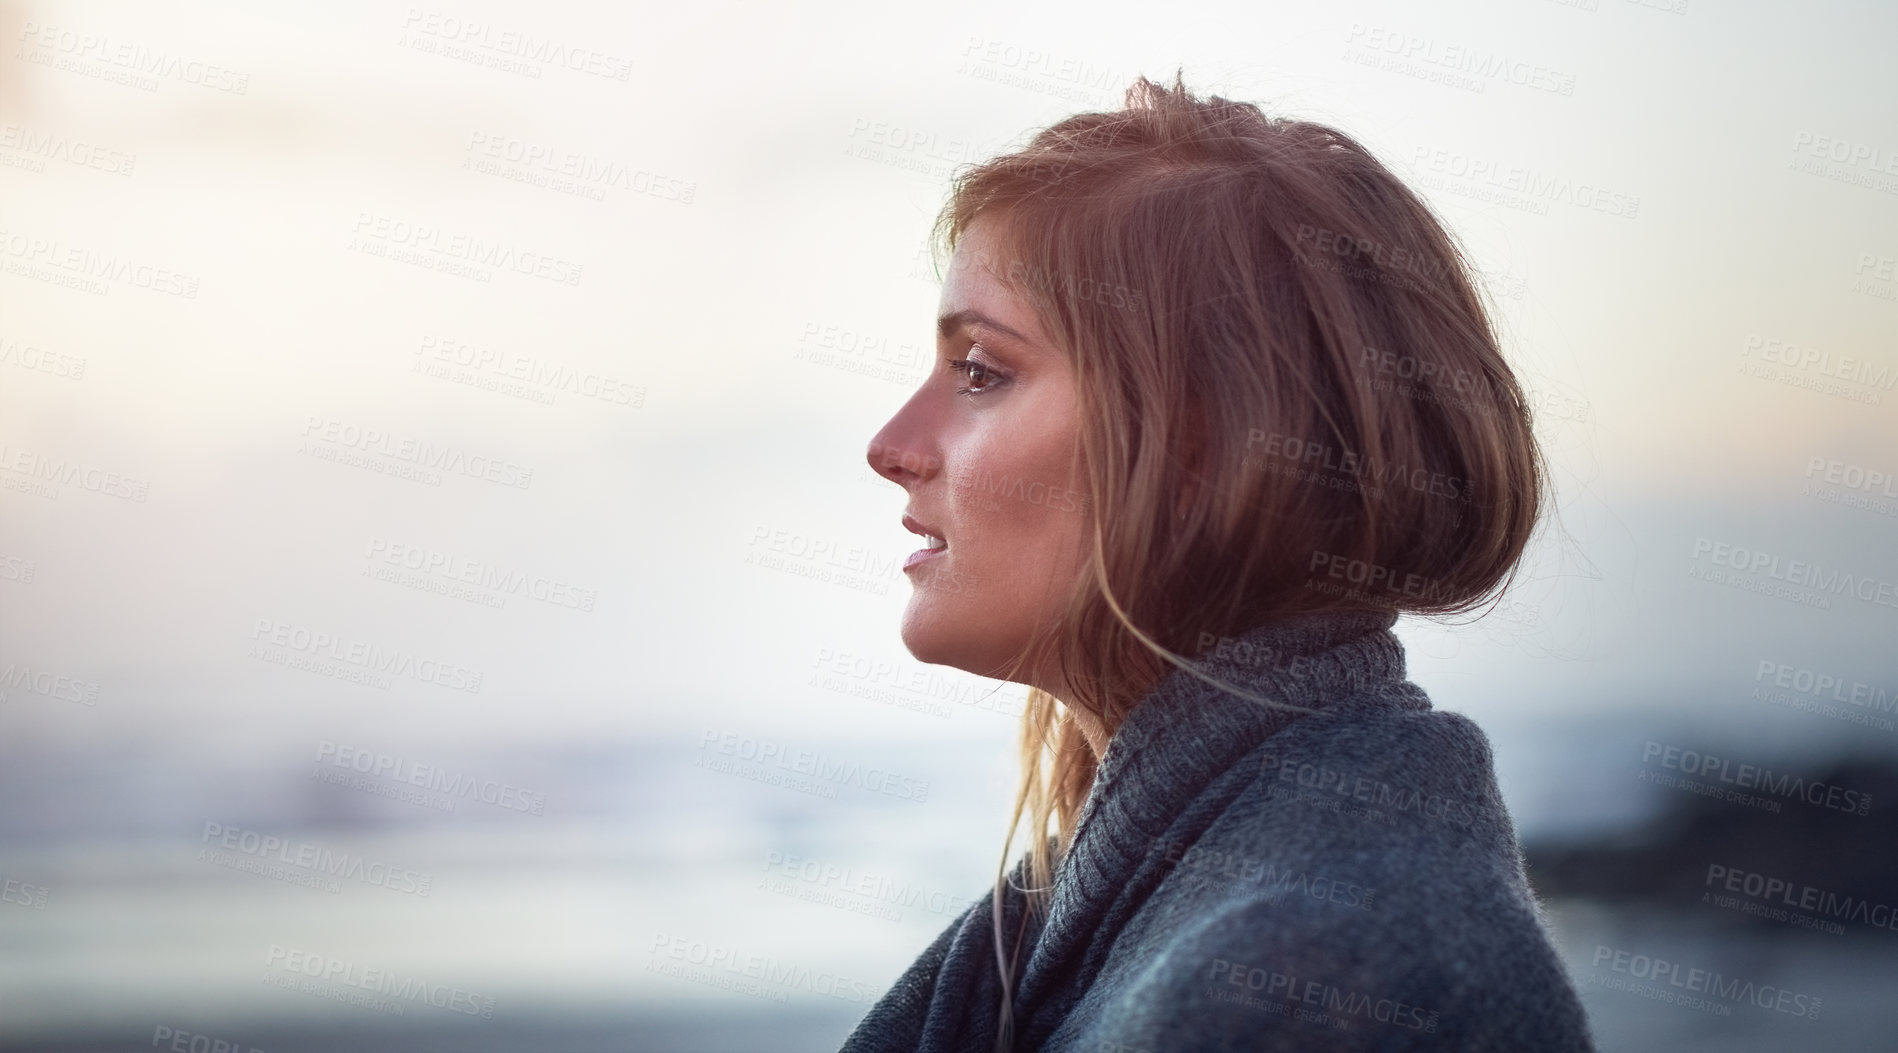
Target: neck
1091,729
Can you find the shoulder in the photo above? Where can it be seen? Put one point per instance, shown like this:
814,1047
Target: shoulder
1401,802
1359,886
1419,774
1297,972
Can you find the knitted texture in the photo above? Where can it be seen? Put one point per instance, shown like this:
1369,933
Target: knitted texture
1250,878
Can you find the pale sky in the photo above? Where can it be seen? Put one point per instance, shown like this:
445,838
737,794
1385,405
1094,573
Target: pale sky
816,144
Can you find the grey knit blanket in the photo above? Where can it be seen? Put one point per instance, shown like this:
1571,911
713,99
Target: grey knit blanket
1249,879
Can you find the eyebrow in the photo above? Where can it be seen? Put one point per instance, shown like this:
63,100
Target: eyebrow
955,320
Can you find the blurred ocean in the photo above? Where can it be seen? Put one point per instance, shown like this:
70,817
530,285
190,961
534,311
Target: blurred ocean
641,858
630,915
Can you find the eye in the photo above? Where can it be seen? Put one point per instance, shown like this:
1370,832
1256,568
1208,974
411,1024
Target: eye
981,377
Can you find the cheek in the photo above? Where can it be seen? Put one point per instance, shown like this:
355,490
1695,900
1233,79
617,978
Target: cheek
1015,504
1023,540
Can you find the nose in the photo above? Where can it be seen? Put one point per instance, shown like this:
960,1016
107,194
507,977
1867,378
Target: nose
899,457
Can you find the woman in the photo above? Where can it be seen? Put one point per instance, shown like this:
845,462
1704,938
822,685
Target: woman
1216,402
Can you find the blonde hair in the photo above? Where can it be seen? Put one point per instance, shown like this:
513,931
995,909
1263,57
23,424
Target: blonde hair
1232,291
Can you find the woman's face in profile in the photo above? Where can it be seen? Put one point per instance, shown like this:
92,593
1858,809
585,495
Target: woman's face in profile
984,449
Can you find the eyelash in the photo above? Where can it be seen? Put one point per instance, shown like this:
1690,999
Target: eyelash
995,378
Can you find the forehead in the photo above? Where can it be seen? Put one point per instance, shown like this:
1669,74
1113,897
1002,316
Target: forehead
977,268
979,281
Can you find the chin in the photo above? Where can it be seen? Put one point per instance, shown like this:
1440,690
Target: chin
924,630
939,634
961,637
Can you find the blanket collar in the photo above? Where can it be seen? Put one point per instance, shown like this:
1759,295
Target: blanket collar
1182,737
